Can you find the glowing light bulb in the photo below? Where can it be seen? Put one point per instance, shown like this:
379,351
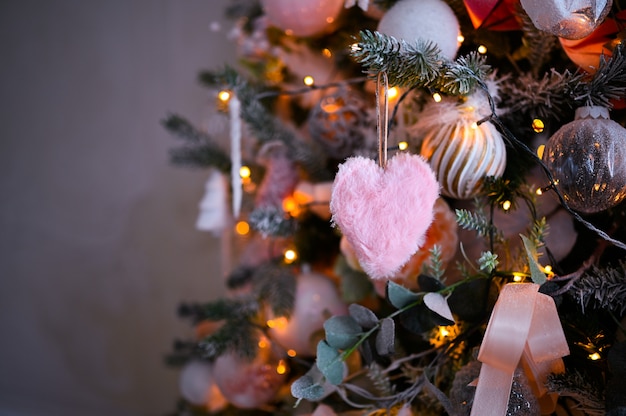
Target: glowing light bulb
460,38
244,172
281,368
263,343
223,95
482,49
308,80
327,53
290,205
518,277
595,356
277,323
538,125
444,331
506,205
540,150
437,97
291,353
393,93
539,191
403,145
242,228
474,125
290,256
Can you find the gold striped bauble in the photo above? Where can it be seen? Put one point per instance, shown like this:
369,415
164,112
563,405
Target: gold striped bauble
462,154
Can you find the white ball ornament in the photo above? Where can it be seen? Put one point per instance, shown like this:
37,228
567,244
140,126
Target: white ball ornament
460,151
431,20
317,298
302,17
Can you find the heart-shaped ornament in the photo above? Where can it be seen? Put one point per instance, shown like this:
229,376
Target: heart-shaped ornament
384,213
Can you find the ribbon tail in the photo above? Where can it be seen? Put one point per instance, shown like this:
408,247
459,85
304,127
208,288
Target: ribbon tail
493,392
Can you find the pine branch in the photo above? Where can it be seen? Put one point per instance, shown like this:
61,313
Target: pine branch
272,221
236,335
220,309
602,288
550,96
557,93
265,126
538,45
200,150
406,65
417,65
573,385
609,81
460,77
276,286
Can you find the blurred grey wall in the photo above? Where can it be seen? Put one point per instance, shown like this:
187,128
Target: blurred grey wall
97,237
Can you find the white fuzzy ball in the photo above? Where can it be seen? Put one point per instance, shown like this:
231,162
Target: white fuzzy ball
431,20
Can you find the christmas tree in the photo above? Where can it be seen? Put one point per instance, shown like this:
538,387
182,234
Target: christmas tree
423,199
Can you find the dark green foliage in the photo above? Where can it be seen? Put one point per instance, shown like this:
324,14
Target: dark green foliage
272,221
429,284
419,64
602,288
355,285
239,336
275,286
318,243
557,93
219,309
573,385
200,150
469,300
265,126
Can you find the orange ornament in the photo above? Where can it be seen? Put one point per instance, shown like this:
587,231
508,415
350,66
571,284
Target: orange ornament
586,52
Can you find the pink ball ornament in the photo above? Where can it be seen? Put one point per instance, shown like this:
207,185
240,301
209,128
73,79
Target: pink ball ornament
197,386
587,158
430,20
317,297
302,17
248,384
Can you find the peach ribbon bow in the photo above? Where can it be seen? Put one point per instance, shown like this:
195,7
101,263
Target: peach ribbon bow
524,329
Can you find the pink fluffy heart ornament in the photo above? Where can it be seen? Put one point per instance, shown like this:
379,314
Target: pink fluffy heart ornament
384,213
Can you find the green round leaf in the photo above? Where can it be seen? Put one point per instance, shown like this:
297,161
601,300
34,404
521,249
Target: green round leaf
330,363
342,331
